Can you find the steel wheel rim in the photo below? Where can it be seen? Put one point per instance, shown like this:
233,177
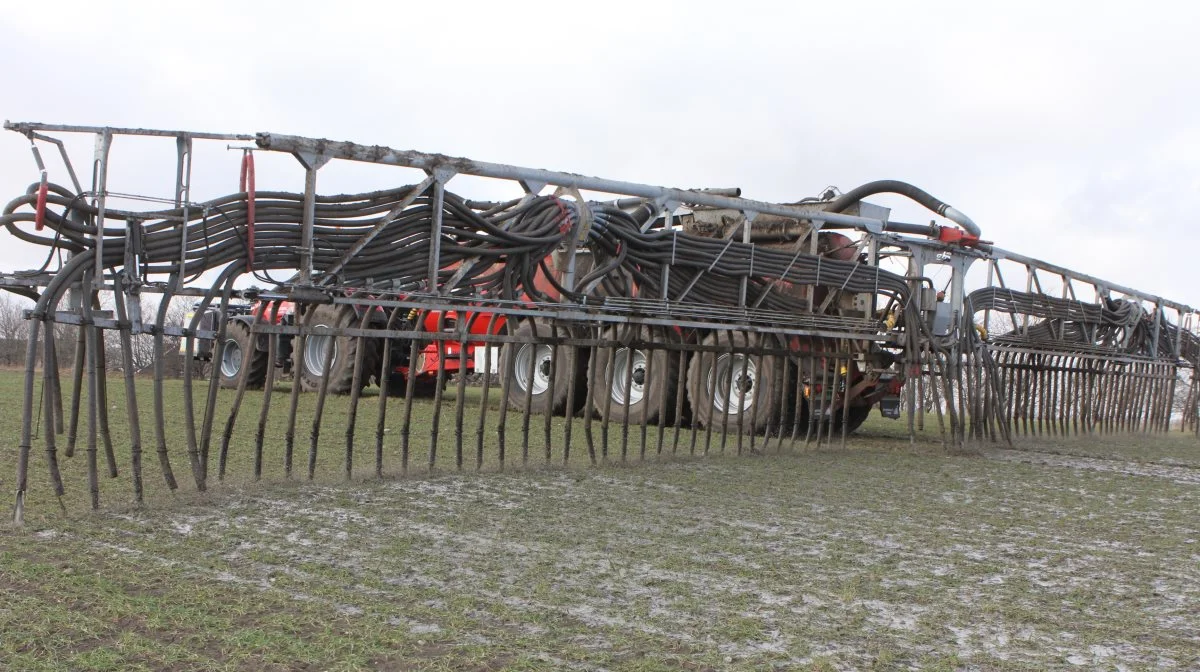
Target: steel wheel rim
620,377
538,355
726,383
231,358
315,348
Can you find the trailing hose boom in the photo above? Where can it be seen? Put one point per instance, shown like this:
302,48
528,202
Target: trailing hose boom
695,317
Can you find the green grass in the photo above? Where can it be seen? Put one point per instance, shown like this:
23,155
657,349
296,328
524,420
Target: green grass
526,441
1066,553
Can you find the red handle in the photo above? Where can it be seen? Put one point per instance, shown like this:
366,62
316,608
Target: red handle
39,217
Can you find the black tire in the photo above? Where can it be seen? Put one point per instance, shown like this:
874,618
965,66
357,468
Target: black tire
715,384
310,360
856,416
515,359
647,397
239,351
831,420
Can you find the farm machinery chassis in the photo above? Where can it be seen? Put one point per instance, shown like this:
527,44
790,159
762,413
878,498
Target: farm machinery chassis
694,317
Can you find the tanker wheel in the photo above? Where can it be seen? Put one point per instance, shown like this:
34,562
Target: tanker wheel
724,387
649,376
310,365
527,363
239,351
856,416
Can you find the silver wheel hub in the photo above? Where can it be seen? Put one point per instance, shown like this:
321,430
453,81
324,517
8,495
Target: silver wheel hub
231,358
538,357
316,348
624,378
731,383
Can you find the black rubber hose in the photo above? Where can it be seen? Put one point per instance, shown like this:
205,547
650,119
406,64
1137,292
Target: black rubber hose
505,246
912,229
904,189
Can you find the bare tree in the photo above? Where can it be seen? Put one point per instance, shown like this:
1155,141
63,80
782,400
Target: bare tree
1183,405
999,323
13,324
142,351
14,328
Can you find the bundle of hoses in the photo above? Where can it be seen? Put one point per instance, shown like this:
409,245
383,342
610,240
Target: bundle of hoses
487,249
1041,305
1116,323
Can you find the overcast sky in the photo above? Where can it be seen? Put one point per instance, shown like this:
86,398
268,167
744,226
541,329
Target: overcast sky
1068,131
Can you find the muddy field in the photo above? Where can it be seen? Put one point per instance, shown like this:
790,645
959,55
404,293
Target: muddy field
1060,554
